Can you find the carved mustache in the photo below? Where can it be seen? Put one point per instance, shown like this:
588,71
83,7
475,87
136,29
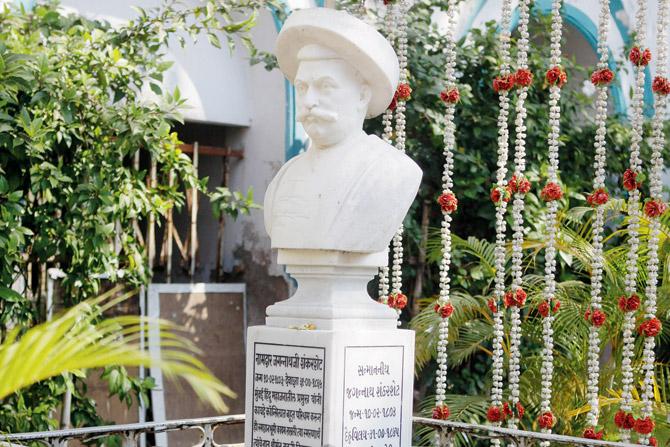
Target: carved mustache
317,114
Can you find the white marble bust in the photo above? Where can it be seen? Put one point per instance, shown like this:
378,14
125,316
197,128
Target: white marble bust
349,191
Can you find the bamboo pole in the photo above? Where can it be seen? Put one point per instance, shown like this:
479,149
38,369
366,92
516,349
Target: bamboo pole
151,227
225,181
194,212
168,241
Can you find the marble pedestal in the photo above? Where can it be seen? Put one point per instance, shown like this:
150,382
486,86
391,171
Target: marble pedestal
329,387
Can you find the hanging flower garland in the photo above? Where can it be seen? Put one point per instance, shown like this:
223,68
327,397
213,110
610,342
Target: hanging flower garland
551,193
654,208
601,78
519,186
632,180
500,195
448,204
396,27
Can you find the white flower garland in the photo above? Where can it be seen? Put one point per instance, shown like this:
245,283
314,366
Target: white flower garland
494,414
547,419
520,187
655,190
637,121
593,361
448,203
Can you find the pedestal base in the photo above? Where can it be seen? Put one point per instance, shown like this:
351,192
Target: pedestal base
329,388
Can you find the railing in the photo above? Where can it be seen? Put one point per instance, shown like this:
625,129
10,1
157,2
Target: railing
131,433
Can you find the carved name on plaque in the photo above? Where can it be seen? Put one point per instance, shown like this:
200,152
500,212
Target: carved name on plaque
372,410
287,405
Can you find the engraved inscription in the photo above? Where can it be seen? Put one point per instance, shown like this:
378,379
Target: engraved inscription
372,410
287,405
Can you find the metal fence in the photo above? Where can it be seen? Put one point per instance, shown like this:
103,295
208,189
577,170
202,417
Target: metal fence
131,434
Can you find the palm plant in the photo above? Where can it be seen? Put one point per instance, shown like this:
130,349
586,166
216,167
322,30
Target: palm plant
471,323
82,338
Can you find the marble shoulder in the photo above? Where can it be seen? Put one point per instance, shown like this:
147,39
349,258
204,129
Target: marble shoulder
270,192
392,158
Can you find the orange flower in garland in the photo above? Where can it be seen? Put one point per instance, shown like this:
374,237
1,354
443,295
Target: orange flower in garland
629,304
441,412
500,194
448,202
598,197
503,83
595,317
397,301
661,85
644,426
624,420
450,95
546,420
639,57
517,298
519,185
590,433
602,77
651,327
444,310
551,191
556,76
630,180
523,77
654,208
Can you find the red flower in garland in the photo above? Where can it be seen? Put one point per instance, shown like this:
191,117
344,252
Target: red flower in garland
492,305
523,77
403,92
503,83
639,57
394,103
494,414
595,317
629,304
546,420
444,310
630,181
507,411
602,77
661,85
441,412
515,298
519,184
624,420
590,433
448,202
543,308
654,208
556,76
644,426
551,191
520,410
397,301
651,327
598,197
653,442
500,194
451,95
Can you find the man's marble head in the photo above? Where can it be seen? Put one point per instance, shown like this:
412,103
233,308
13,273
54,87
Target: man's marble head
332,97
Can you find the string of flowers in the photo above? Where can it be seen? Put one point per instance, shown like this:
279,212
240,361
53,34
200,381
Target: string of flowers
601,78
448,204
500,195
387,135
396,26
632,180
654,207
518,186
551,193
